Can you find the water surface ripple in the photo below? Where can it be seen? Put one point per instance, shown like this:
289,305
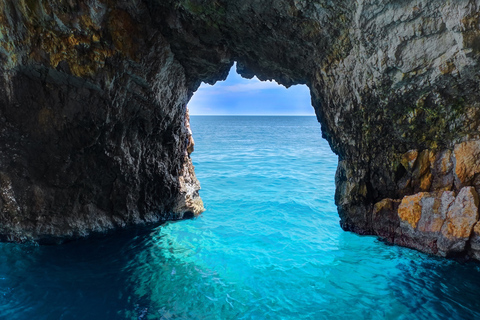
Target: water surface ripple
269,247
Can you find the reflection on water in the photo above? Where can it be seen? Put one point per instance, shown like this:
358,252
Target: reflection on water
269,247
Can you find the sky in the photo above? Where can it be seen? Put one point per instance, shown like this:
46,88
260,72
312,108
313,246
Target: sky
239,96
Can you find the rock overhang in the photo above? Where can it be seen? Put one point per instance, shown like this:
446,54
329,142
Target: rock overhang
394,86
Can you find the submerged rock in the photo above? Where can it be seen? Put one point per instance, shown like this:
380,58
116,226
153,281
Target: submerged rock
93,130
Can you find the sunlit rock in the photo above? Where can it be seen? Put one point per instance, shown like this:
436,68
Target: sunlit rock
461,217
421,219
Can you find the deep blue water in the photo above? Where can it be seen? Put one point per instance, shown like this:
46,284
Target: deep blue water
269,246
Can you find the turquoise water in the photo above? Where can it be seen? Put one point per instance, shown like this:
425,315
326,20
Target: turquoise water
269,246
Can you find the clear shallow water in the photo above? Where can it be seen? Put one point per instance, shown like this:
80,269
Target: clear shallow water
269,247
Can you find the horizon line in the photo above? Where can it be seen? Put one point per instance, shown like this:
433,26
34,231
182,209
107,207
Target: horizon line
256,115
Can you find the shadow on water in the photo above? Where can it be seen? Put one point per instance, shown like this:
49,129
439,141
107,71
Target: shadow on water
85,279
160,273
147,273
139,273
389,282
421,283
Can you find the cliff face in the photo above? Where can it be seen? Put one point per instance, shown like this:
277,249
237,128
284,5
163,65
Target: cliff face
93,118
93,121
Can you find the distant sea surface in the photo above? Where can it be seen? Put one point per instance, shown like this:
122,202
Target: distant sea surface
269,246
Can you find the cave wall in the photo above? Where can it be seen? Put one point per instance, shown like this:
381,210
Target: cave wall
93,121
94,93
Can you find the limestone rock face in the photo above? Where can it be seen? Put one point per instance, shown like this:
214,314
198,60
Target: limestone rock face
93,93
460,220
467,156
93,130
422,217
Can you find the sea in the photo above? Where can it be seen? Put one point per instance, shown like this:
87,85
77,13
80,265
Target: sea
269,246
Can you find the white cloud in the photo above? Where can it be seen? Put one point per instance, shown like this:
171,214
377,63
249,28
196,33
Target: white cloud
253,86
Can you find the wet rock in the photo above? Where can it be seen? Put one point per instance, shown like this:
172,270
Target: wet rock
438,222
350,190
93,130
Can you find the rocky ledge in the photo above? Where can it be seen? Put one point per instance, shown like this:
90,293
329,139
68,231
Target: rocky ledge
443,217
93,119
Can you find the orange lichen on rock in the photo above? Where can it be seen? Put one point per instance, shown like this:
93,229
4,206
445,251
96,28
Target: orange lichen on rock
434,211
410,209
79,41
462,215
467,155
447,67
445,163
426,181
409,158
83,55
422,175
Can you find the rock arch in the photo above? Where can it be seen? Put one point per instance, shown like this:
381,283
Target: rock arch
93,95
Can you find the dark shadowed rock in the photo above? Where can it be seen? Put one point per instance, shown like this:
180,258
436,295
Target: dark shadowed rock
385,219
93,121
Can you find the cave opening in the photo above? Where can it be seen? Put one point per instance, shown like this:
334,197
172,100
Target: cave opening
259,147
250,97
